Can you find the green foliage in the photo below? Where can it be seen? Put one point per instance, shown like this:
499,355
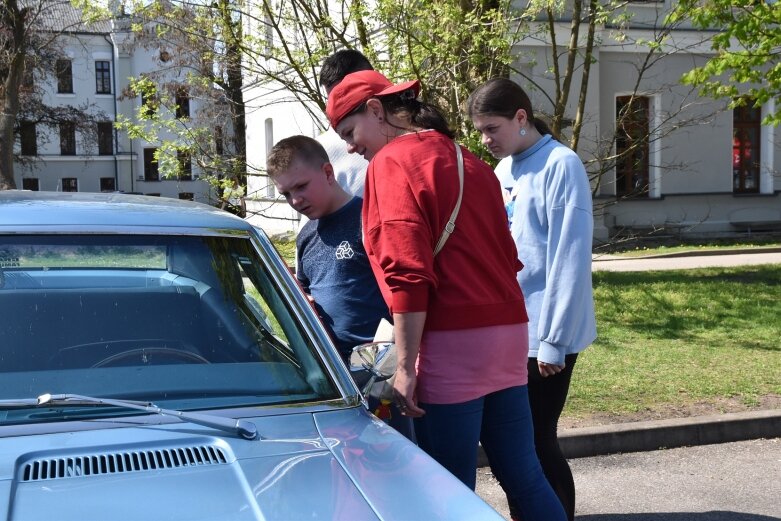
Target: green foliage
451,47
747,50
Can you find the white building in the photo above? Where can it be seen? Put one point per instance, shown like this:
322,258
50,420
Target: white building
96,64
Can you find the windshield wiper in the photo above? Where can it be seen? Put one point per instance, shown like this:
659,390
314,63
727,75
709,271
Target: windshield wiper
244,428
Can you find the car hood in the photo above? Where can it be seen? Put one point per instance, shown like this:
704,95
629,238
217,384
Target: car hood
342,464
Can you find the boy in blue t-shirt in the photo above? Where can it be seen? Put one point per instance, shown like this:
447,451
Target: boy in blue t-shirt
332,265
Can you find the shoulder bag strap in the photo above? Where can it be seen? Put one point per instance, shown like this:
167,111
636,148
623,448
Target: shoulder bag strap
451,223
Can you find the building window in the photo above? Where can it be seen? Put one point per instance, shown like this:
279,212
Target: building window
64,77
632,128
108,184
28,138
30,183
150,165
68,138
70,184
182,103
219,141
187,196
28,77
746,128
103,77
185,166
105,138
149,102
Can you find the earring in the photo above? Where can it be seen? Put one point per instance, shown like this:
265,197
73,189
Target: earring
522,132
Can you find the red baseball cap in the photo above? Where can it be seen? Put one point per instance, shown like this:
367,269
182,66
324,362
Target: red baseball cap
359,87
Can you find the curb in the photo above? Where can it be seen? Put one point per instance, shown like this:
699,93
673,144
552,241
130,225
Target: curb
665,434
689,253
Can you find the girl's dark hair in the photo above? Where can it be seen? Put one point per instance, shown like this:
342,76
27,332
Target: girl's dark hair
503,97
420,114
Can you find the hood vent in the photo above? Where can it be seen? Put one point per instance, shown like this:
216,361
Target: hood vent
121,462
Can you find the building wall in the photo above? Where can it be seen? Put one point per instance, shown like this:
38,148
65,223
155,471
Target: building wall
274,115
691,176
126,164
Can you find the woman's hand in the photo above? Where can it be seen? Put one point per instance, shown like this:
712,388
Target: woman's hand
404,393
549,369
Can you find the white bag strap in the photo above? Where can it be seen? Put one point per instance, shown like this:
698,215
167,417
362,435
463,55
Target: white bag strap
451,223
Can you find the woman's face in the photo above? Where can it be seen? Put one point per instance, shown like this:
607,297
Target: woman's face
500,135
363,132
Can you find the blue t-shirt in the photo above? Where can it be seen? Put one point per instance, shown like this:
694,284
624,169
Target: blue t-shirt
334,269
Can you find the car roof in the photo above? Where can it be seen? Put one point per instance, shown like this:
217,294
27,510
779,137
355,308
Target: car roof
22,210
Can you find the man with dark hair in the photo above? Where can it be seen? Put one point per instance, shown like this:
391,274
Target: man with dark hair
350,169
340,64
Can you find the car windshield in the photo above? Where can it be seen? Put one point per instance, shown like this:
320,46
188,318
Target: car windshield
186,321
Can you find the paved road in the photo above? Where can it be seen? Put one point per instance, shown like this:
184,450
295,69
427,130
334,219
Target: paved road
727,482
609,263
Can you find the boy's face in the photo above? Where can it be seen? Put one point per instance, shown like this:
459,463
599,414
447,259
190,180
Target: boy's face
309,190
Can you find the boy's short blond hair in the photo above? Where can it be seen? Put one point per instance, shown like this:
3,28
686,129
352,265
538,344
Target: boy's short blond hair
295,148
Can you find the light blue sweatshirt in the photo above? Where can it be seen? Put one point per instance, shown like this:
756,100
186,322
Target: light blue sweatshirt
551,220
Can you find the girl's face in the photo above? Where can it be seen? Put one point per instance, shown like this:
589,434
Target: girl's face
500,135
364,131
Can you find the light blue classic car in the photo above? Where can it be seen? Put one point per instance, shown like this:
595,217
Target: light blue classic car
158,361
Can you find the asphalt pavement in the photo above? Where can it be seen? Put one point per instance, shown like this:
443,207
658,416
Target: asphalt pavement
688,260
738,481
724,467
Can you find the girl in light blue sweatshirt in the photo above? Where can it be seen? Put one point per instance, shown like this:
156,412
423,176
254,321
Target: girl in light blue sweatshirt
548,201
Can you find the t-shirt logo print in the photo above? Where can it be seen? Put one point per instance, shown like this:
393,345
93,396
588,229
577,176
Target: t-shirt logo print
344,251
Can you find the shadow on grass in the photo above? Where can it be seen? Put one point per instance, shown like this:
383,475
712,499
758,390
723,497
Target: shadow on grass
681,305
678,516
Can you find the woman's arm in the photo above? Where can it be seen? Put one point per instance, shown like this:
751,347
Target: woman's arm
408,331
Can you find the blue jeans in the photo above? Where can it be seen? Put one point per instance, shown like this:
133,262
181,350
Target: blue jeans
502,423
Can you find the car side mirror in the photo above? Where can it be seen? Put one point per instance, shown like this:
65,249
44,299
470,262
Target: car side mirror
378,359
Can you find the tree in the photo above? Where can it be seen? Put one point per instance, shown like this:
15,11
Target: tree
747,50
200,49
452,46
31,38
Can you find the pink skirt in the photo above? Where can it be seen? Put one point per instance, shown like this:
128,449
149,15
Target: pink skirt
460,365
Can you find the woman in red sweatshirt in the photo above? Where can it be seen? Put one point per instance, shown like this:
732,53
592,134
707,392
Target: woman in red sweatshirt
459,316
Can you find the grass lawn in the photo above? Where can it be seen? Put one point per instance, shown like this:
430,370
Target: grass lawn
287,250
675,343
669,339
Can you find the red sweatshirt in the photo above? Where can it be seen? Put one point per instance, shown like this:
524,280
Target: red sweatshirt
411,190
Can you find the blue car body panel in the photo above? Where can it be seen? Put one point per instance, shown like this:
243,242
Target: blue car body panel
256,352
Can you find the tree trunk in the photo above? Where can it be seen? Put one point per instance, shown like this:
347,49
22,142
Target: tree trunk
13,18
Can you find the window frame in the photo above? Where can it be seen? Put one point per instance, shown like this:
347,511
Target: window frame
105,134
185,165
67,138
633,168
34,181
151,168
102,77
28,138
72,184
108,180
64,72
746,120
182,100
